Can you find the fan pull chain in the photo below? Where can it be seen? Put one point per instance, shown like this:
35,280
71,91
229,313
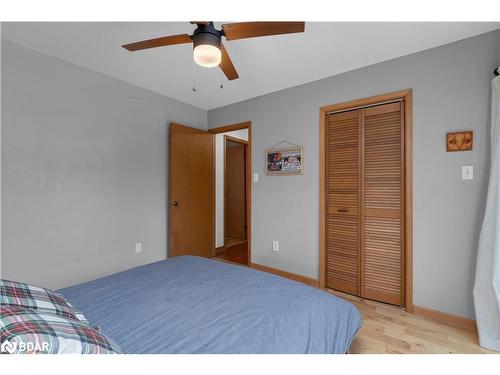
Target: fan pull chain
221,79
195,89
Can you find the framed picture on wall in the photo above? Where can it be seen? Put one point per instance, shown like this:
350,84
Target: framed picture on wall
285,162
459,141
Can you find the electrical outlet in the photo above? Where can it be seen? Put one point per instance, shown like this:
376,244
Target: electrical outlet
138,248
276,245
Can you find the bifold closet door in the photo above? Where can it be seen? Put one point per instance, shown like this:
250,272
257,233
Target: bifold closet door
365,202
343,208
383,204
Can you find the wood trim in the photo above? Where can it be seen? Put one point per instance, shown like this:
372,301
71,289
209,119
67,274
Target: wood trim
229,128
224,189
233,127
288,275
408,109
322,200
366,102
220,250
214,196
249,189
234,139
402,213
445,318
169,198
361,202
406,97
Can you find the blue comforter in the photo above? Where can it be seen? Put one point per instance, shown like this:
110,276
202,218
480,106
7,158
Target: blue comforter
195,305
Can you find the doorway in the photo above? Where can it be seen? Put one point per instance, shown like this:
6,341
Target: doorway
235,221
233,193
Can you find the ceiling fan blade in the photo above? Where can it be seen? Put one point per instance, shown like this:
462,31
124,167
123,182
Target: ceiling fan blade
243,30
226,65
199,22
159,42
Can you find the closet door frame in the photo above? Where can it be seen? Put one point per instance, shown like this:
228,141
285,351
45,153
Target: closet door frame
405,96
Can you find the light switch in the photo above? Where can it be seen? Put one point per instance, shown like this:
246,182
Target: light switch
255,177
467,172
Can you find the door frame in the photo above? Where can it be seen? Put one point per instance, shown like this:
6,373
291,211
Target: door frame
245,148
405,97
230,128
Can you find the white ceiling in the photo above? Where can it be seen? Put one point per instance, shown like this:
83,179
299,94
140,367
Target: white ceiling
264,64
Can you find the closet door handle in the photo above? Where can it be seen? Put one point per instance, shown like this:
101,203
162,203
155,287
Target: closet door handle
176,204
342,210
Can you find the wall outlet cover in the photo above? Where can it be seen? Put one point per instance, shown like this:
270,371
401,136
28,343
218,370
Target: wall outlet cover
138,248
276,246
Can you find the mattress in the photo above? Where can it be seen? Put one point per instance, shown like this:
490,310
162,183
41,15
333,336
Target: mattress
191,304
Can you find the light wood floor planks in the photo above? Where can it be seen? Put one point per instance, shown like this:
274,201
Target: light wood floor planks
387,329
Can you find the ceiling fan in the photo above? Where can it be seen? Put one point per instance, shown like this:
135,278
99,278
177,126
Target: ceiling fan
208,50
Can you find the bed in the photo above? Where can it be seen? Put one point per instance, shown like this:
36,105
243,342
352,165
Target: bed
191,304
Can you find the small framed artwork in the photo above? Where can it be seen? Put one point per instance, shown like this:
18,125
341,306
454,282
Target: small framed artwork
285,162
459,141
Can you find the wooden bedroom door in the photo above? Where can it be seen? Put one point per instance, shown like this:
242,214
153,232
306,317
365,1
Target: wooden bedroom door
191,203
365,202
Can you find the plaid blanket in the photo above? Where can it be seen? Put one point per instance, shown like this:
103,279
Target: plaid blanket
25,331
13,293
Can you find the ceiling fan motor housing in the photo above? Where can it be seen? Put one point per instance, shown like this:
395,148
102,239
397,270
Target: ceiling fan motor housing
207,34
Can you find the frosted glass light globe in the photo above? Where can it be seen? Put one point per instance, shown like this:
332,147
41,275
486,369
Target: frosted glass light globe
207,55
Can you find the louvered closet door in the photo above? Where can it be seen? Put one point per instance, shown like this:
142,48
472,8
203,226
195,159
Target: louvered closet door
382,218
343,229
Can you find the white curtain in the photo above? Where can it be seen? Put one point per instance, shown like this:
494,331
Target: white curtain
487,283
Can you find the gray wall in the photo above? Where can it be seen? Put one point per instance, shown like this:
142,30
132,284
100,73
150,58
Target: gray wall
84,170
451,92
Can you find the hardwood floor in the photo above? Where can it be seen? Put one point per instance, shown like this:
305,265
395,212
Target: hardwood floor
236,252
230,242
388,329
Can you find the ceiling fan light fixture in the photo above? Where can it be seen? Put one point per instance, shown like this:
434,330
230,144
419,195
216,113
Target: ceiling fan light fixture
207,55
207,50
